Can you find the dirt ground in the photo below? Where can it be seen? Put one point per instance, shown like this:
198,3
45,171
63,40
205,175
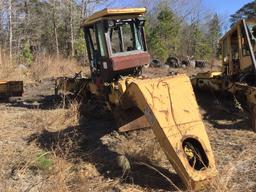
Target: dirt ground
45,147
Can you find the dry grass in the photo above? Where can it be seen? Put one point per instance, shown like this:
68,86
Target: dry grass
26,167
6,67
44,66
238,175
54,66
30,167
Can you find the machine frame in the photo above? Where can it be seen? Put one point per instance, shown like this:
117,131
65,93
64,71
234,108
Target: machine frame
137,101
105,63
238,46
10,89
238,74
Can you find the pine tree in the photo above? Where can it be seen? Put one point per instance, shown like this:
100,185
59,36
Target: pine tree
214,34
163,37
247,11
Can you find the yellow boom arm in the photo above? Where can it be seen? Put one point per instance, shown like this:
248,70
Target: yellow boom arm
171,109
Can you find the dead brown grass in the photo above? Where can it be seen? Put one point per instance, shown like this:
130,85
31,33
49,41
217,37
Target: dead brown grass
27,167
238,175
54,66
21,170
6,67
44,66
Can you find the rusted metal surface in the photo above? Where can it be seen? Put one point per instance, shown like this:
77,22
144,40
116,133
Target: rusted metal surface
138,123
75,84
177,124
113,12
11,88
130,120
168,105
130,61
238,69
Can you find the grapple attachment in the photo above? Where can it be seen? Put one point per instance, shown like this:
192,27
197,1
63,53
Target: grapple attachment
170,107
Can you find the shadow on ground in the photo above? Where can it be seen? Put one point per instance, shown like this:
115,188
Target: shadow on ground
42,102
90,148
221,111
41,95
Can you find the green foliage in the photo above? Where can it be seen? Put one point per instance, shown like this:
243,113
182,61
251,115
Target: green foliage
157,47
214,34
203,50
163,37
200,43
80,46
247,11
42,162
27,56
168,35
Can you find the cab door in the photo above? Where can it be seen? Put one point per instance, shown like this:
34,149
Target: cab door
97,50
234,52
246,57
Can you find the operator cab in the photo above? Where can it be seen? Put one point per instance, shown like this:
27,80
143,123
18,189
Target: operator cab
238,51
115,41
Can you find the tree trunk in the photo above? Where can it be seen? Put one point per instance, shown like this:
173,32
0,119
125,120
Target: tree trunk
72,30
1,61
55,28
82,8
56,39
10,30
84,5
1,24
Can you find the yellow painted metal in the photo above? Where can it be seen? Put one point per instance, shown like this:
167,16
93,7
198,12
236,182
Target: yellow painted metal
231,64
238,64
113,12
210,84
3,87
208,81
234,27
209,74
245,60
171,109
248,91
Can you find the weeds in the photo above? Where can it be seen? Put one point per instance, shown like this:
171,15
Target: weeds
48,170
43,162
6,67
53,66
43,66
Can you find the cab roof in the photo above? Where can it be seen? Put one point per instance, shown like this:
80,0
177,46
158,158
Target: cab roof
234,27
113,13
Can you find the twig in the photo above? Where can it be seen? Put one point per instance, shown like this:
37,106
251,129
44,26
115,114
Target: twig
160,173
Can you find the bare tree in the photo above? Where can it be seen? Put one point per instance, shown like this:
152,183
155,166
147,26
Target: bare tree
83,8
71,29
10,30
55,28
1,25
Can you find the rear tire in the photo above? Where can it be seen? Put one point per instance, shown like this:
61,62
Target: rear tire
173,62
155,63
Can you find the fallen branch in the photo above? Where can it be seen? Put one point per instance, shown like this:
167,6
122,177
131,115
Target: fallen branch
160,173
